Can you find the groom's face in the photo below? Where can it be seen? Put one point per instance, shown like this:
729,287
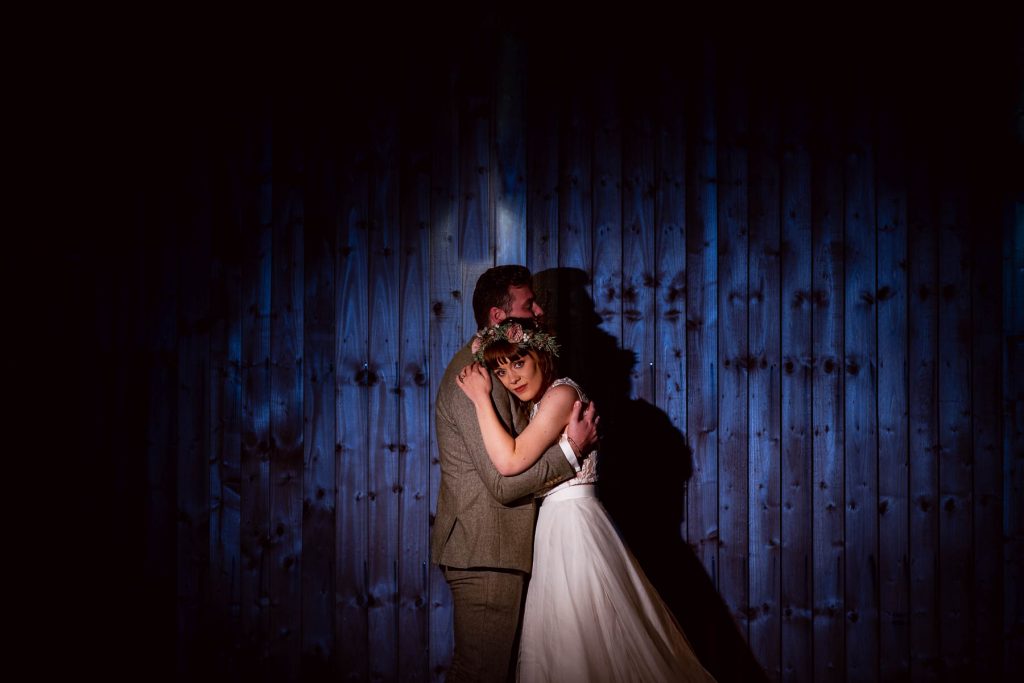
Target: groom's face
523,304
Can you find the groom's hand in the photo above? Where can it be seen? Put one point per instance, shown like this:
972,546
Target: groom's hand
582,428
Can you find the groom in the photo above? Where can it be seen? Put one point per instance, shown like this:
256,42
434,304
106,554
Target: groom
483,532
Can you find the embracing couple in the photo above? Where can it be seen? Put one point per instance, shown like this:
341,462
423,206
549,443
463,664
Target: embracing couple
518,453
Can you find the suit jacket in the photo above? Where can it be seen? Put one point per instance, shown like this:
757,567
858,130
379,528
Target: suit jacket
484,519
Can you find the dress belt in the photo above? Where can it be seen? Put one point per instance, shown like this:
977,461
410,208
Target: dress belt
570,492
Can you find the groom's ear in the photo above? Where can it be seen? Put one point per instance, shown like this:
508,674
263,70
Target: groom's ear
496,315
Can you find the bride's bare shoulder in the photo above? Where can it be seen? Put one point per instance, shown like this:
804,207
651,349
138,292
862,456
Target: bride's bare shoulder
558,398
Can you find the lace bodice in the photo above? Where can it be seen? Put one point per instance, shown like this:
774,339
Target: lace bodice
588,473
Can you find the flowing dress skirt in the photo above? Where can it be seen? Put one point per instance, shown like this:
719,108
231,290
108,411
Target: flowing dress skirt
591,614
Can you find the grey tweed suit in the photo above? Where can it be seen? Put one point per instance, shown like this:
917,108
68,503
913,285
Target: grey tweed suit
483,531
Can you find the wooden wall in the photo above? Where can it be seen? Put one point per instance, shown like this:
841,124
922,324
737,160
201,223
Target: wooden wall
788,280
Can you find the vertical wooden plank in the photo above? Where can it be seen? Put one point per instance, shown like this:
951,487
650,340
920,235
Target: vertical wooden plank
543,113
923,439
734,370
702,325
574,232
226,404
608,206
670,254
445,329
476,249
351,416
893,465
509,159
639,274
986,369
797,362
286,409
954,404
383,492
1013,433
256,484
575,248
414,398
827,409
319,308
860,398
193,497
765,409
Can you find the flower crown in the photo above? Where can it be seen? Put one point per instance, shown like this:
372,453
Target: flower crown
515,331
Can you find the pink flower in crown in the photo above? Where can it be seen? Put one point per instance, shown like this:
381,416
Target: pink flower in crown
478,341
514,333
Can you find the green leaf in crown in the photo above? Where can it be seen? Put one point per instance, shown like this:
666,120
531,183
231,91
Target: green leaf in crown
513,331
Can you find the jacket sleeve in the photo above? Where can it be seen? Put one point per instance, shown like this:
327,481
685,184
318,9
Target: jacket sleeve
458,432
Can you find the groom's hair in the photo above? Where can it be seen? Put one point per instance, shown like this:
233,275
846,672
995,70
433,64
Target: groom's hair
492,290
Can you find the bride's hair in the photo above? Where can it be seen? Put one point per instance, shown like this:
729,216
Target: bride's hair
502,351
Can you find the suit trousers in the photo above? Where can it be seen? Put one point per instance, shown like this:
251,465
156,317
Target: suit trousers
488,608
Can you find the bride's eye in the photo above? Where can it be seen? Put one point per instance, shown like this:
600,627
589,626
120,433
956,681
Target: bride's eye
499,373
518,365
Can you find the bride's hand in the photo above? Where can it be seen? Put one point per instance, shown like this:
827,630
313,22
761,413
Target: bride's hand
475,382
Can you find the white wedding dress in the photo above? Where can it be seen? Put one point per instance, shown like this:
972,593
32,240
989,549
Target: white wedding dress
591,614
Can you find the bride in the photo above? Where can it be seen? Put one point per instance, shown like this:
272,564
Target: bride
591,614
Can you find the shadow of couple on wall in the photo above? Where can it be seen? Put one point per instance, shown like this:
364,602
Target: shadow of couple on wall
644,466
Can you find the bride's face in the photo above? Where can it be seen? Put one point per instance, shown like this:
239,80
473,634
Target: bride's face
522,377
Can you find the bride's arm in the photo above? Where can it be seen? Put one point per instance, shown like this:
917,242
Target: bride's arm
514,455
